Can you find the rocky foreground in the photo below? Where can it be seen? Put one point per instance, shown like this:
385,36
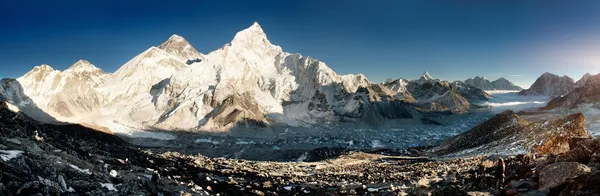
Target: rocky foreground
74,160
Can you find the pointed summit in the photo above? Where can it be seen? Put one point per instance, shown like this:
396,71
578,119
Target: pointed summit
252,36
83,66
174,42
256,27
426,76
581,82
180,47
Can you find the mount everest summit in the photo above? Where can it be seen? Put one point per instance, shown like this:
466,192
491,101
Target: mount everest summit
247,82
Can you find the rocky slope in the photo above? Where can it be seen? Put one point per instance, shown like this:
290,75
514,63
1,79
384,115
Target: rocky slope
550,85
581,82
485,84
36,159
507,133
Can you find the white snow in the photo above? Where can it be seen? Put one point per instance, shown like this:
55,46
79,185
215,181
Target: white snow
7,155
113,173
85,171
109,186
507,100
12,107
493,92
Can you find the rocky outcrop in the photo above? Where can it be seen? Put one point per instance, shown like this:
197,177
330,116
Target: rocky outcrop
582,185
550,85
495,129
506,133
556,174
589,93
581,82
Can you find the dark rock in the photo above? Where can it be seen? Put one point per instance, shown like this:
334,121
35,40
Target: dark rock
583,185
556,174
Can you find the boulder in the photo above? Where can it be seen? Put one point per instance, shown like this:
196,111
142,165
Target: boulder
583,185
555,174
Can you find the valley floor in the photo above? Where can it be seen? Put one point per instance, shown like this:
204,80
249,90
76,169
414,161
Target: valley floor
75,160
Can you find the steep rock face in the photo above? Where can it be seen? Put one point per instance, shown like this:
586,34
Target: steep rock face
506,133
11,91
550,85
589,93
581,82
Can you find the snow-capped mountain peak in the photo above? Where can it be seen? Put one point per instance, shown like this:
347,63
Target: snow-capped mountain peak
40,72
83,66
252,36
43,67
427,76
180,47
424,78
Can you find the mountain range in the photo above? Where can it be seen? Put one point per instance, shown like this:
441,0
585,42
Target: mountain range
485,84
247,82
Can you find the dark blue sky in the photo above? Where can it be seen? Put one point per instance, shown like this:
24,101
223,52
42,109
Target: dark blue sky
452,39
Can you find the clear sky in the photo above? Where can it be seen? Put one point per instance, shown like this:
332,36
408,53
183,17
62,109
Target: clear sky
452,39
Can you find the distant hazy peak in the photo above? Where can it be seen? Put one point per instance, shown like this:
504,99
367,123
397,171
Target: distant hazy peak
426,76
